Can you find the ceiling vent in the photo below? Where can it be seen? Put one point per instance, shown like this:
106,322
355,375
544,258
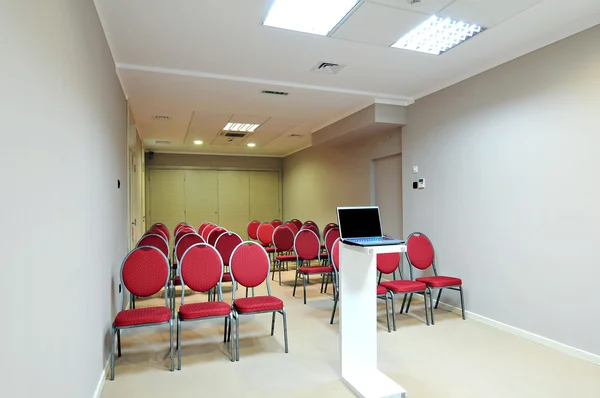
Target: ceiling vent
161,117
327,68
233,134
295,135
274,92
163,142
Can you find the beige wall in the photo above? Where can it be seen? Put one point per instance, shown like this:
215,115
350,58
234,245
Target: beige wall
511,160
63,124
214,161
319,179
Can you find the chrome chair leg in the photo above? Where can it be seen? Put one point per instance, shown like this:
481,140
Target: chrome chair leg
437,301
112,352
273,324
285,333
462,302
171,344
178,342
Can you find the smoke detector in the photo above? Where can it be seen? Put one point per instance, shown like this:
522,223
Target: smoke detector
327,68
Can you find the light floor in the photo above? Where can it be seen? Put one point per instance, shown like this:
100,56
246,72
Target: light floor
454,358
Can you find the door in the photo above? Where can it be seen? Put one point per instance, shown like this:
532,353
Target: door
166,197
132,196
234,201
387,175
201,197
264,196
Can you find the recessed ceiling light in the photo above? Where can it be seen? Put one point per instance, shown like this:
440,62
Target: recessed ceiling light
437,35
198,142
310,16
251,144
247,127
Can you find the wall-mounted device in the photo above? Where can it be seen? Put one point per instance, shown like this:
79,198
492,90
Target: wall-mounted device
419,184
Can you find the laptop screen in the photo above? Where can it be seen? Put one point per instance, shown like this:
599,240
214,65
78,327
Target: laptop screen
359,222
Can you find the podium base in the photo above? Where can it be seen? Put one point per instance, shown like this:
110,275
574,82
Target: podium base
373,384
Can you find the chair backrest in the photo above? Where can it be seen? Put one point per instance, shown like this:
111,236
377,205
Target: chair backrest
250,265
297,223
144,272
226,243
283,238
419,251
182,231
207,230
265,234
311,227
330,237
276,222
214,235
388,263
307,245
202,226
181,225
328,227
185,242
252,229
335,255
155,240
163,228
293,227
200,268
158,231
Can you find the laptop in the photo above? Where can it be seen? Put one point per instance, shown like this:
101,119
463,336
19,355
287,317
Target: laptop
361,226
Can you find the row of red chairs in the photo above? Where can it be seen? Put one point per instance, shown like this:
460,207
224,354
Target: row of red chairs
146,271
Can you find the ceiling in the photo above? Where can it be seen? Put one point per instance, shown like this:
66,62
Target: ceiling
205,63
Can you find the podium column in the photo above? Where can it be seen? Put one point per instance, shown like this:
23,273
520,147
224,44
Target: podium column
358,322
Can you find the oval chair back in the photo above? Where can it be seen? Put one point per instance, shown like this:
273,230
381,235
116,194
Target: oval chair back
144,272
388,263
283,239
181,225
297,223
163,228
214,235
293,227
202,226
252,229
419,251
156,241
207,230
185,243
183,231
201,269
332,235
226,243
307,245
265,234
328,227
158,231
249,266
276,223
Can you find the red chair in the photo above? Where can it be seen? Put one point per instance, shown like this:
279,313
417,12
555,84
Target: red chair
163,228
184,243
293,227
388,263
144,272
381,292
328,227
202,226
181,225
265,236
308,248
276,223
297,223
201,270
252,229
283,241
250,267
214,235
420,254
155,240
181,232
330,237
225,244
207,230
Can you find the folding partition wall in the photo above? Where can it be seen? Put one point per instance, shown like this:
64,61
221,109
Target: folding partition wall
230,198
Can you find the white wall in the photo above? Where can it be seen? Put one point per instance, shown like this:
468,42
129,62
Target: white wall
511,159
64,223
319,179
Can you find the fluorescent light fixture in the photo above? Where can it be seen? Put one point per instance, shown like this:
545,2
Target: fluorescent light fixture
198,142
246,127
318,17
251,144
437,35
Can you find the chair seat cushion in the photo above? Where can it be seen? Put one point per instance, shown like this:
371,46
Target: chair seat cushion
226,277
204,310
404,286
285,258
270,249
381,290
440,281
257,304
315,270
142,316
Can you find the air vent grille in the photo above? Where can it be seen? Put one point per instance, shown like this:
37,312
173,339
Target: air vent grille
274,92
161,117
162,142
236,135
296,136
327,68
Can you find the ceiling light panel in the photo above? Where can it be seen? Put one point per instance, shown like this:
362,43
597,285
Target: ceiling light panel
438,34
245,127
318,17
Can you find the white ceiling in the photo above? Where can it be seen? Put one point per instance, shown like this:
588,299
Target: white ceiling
206,62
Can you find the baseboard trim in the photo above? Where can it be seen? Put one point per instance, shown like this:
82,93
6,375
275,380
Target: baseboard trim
100,385
536,338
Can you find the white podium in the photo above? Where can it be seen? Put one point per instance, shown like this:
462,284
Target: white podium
358,322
